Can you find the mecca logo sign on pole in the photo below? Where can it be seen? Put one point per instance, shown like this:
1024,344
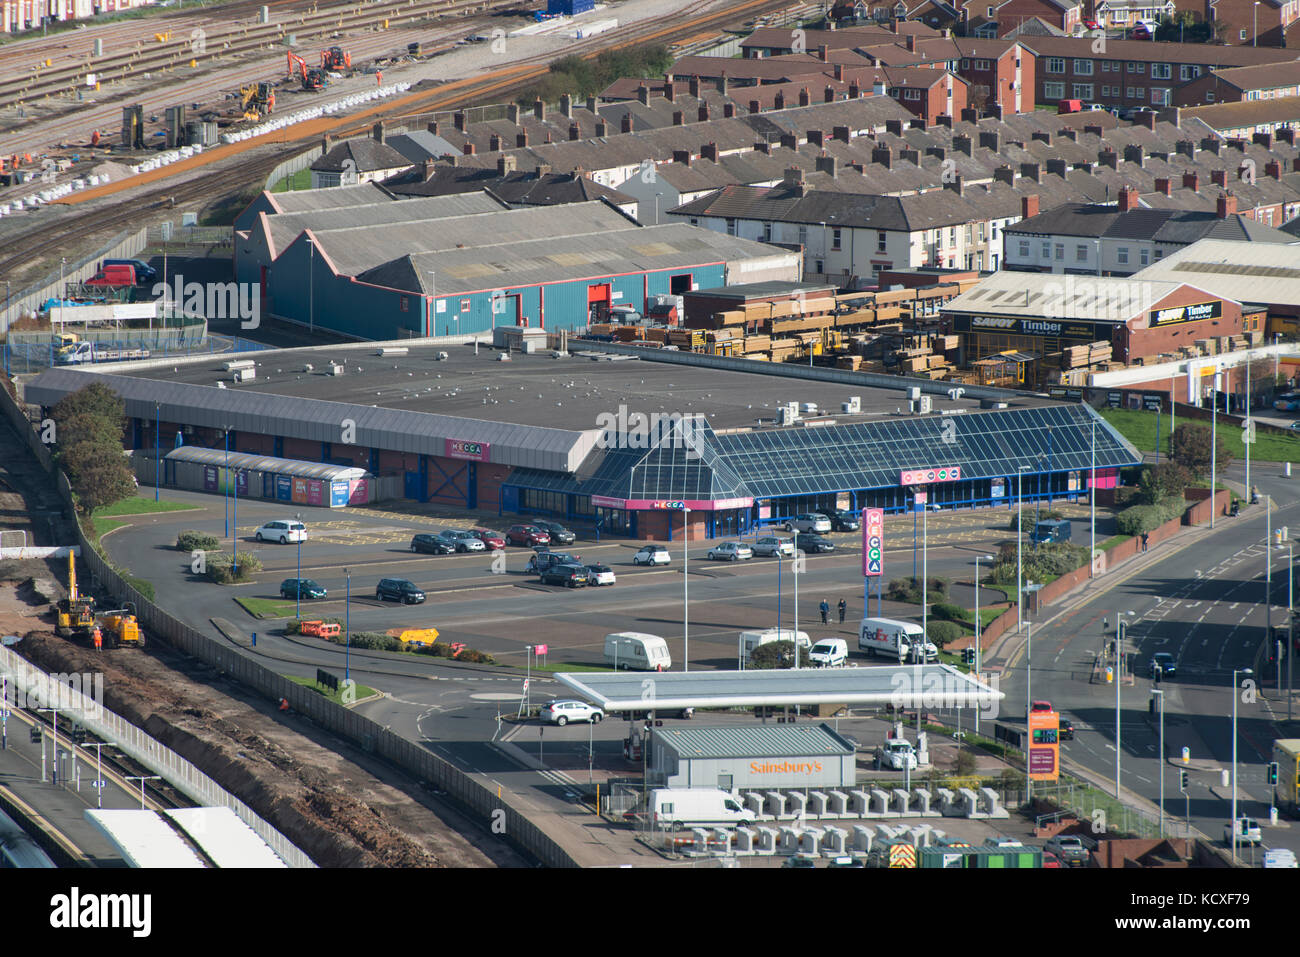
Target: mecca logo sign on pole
873,541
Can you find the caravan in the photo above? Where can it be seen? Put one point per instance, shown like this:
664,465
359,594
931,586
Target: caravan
749,640
894,639
633,649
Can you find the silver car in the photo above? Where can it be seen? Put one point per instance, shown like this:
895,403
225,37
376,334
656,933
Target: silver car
809,522
463,541
730,552
562,712
771,545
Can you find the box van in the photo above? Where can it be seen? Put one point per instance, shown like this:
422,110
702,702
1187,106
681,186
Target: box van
829,652
696,807
114,276
894,639
1057,530
143,271
633,649
749,640
1069,106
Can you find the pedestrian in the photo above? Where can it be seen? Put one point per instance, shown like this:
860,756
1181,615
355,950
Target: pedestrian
1144,541
826,611
843,608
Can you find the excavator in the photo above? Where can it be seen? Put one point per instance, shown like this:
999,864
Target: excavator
313,79
119,627
74,615
257,100
336,59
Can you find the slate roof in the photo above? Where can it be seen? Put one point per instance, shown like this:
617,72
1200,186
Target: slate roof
1176,226
368,154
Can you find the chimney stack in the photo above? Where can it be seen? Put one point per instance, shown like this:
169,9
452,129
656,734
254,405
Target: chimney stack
682,156
469,149
702,114
625,125
591,104
521,139
790,141
817,138
494,143
883,156
728,110
566,105
693,85
1273,168
855,91
1147,118
1005,174
839,72
911,43
1029,206
804,97
828,95
432,127
1226,206
1128,199
1191,180
778,102
1032,171
1264,139
506,165
1108,157
539,110
1163,185
709,151
962,144
670,92
379,131
827,164
575,132
428,169
722,84
1219,177
458,118
678,118
512,114
840,133
602,128
643,94
753,107
970,115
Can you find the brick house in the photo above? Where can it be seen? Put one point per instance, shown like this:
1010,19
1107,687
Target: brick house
1065,15
1240,84
1005,69
1247,23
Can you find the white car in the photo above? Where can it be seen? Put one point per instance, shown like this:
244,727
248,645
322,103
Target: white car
1247,831
284,531
730,552
809,522
652,555
600,575
829,653
771,545
898,755
562,712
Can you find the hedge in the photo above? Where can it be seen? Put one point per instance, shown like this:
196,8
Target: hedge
942,632
947,612
219,568
1139,519
190,540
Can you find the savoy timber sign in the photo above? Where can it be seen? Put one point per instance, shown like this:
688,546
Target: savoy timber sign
1193,313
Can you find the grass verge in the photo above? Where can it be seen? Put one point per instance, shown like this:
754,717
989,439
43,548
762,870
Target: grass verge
295,181
139,505
267,607
1140,429
563,666
360,691
103,526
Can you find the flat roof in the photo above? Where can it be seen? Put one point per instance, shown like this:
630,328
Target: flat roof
226,839
753,741
1032,295
930,686
1267,273
144,838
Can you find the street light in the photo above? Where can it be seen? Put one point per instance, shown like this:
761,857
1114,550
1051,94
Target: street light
686,589
978,630
226,483
1254,24
157,449
1092,501
1235,672
55,712
794,567
297,604
1162,760
1119,680
347,626
1020,537
1290,624
311,286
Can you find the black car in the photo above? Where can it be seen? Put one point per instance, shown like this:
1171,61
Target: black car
559,534
432,545
301,588
1066,731
398,589
814,544
574,576
544,560
842,520
1164,664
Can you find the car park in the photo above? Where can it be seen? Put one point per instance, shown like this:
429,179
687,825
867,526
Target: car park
815,544
809,522
652,555
490,539
600,575
566,711
770,545
463,541
558,533
1068,848
527,535
730,552
1164,663
570,575
432,545
842,520
301,588
1248,831
398,589
283,530
545,559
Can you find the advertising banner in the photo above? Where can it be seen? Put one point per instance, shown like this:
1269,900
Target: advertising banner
926,476
300,491
464,449
209,478
873,541
315,492
338,493
1193,313
359,494
1044,745
283,488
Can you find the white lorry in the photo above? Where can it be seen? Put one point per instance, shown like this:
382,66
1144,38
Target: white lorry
749,640
89,352
696,807
636,650
894,639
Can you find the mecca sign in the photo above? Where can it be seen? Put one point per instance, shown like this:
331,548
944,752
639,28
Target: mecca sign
873,541
926,476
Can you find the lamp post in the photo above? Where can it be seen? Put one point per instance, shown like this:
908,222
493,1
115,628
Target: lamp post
55,713
1254,24
1119,680
99,769
1029,678
1214,444
1092,501
1290,624
157,449
978,629
297,604
1245,437
311,286
1161,695
347,625
795,570
226,483
1020,537
686,589
142,778
1235,672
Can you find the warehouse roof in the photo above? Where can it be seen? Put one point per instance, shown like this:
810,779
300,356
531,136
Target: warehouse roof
1247,272
719,689
302,200
1036,295
753,741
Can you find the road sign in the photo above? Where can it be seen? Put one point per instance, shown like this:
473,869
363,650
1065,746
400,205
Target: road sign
1248,432
873,541
539,650
525,684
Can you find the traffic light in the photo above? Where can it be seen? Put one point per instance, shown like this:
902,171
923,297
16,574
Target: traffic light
1182,780
968,656
1151,706
1272,773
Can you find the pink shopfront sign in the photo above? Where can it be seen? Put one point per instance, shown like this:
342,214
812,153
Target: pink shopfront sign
926,476
697,505
464,449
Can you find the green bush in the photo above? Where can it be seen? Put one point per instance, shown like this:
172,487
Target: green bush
947,612
1041,515
942,632
190,540
143,586
1054,559
1139,519
965,763
373,641
772,655
909,589
220,568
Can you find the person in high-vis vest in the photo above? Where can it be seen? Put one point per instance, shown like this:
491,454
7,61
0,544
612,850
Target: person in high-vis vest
98,638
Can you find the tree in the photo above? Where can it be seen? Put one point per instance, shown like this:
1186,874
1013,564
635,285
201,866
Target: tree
89,446
103,484
775,654
1191,449
97,401
978,97
1164,481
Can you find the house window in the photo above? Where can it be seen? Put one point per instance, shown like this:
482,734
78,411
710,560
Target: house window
894,92
1081,253
835,239
1144,256
1134,67
1060,251
981,232
1083,91
970,232
1054,91
1188,72
965,64
1160,254
695,221
464,305
404,303
1160,96
952,236
731,227
1047,250
989,13
767,232
983,65
1024,248
1137,92
1083,68
1243,34
1121,255
1160,71
880,241
803,235
1209,96
912,94
1056,64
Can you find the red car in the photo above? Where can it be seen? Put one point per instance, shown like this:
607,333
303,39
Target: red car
527,535
489,539
1141,32
1091,25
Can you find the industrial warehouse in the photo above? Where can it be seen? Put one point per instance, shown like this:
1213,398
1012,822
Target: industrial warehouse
620,437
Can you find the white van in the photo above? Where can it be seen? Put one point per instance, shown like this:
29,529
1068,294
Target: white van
894,639
829,652
749,640
696,807
634,649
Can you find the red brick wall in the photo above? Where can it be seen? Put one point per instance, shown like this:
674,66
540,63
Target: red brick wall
490,479
652,525
1147,341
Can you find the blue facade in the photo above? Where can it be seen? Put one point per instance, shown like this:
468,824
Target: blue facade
569,8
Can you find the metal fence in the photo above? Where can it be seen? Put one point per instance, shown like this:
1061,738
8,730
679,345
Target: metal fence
191,235
123,246
1107,816
294,164
24,358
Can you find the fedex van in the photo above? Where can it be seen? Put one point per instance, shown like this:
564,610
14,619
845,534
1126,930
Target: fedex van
633,649
894,639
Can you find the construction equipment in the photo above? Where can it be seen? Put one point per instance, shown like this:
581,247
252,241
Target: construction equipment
257,100
74,615
120,627
336,59
313,78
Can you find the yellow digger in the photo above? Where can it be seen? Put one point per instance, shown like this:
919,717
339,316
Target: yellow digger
74,615
119,628
257,100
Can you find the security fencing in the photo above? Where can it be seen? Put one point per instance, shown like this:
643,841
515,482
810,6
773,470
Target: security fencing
22,358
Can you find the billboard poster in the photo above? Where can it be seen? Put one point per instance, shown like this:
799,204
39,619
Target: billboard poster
283,488
999,488
873,542
209,478
926,476
300,491
339,493
359,494
315,492
1044,745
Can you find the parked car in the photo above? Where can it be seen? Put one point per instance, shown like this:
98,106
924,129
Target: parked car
842,520
284,531
770,545
432,545
1247,831
489,539
897,755
730,552
562,712
1089,24
800,861
829,653
846,861
809,522
600,575
462,540
1041,706
1141,32
301,588
652,555
1068,848
527,535
567,573
559,534
398,589
1163,662
545,559
815,544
